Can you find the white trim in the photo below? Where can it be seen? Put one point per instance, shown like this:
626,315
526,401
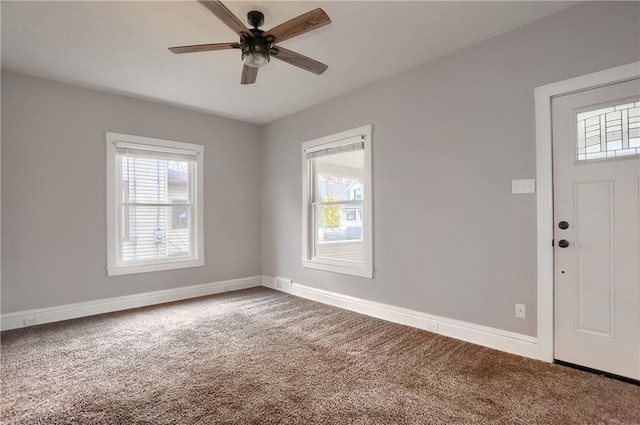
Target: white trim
510,342
114,265
108,305
498,339
269,282
364,269
151,143
544,169
153,267
346,269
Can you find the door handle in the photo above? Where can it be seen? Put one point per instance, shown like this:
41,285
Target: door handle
563,243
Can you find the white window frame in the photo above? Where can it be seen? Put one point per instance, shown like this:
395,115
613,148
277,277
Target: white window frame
364,269
114,265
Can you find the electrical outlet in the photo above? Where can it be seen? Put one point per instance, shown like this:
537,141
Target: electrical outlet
521,311
30,321
432,326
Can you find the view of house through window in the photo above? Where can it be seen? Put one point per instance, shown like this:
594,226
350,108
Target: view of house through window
158,207
155,204
337,213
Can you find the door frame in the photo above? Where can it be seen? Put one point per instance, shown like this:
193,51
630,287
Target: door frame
544,197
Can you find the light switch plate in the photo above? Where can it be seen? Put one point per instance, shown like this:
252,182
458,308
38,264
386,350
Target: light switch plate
523,186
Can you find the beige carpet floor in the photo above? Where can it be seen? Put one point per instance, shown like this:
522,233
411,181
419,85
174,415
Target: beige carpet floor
262,357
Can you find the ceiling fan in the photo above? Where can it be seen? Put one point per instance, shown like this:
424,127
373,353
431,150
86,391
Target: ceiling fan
258,46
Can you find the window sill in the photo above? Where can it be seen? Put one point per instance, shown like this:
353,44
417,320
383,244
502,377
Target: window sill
346,269
154,267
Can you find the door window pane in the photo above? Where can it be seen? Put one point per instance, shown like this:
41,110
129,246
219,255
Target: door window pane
609,132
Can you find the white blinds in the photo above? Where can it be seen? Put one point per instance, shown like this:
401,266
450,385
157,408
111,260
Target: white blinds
344,146
155,152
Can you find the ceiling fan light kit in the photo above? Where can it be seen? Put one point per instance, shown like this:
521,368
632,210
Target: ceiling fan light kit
255,50
255,53
258,46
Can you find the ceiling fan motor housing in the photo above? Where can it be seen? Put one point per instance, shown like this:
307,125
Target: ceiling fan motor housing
255,18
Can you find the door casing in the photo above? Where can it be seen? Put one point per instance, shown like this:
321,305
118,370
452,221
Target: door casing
544,189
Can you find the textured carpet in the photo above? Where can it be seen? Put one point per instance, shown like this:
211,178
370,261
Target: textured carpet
262,357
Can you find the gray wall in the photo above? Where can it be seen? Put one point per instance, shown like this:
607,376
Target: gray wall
449,136
54,184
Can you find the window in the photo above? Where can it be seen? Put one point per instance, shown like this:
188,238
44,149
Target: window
154,201
337,216
609,132
180,215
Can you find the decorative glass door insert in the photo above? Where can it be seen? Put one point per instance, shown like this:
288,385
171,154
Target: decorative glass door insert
609,132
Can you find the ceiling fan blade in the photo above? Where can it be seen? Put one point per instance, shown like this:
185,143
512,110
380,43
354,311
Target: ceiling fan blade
301,61
204,47
249,75
225,15
300,25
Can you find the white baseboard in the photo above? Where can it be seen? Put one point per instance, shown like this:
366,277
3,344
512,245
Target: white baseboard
72,311
269,282
498,339
510,342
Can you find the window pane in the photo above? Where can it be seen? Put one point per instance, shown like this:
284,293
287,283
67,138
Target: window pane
339,232
339,177
152,235
151,180
608,132
180,215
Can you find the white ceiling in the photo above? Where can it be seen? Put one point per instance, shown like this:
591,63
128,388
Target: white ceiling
121,47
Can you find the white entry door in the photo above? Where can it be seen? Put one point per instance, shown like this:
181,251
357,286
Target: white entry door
596,174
